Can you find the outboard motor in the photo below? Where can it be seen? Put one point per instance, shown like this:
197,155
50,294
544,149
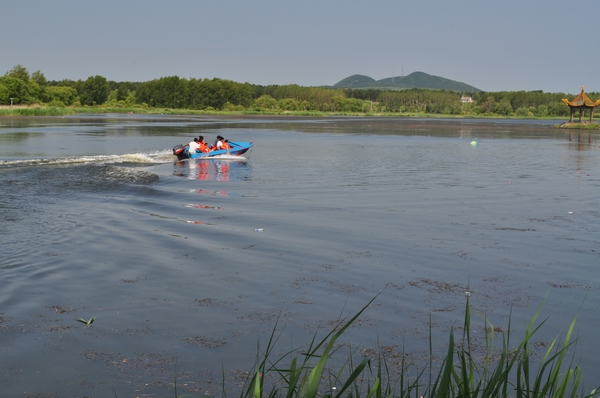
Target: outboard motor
179,151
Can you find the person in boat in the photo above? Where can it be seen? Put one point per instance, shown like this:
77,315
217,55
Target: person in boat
203,146
219,143
226,145
193,146
216,145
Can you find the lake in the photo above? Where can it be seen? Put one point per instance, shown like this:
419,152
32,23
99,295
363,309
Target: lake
188,266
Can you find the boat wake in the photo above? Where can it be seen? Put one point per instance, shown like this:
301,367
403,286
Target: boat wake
129,158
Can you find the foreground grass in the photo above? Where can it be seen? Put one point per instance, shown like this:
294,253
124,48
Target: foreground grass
512,373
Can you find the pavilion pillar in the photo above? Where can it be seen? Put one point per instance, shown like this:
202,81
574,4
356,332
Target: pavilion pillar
572,114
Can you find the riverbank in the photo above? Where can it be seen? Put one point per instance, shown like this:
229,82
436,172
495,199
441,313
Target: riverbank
21,110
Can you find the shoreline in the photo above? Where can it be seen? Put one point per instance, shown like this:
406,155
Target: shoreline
7,111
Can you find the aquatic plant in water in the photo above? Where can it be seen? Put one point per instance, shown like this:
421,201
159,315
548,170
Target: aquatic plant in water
512,373
88,322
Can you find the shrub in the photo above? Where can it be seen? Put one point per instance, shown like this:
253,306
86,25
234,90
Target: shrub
57,104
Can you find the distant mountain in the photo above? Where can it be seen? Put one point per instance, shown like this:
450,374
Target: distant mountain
356,81
414,80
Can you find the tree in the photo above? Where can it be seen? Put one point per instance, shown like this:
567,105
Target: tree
122,92
542,111
39,78
503,107
66,95
488,105
35,91
522,111
112,97
4,94
95,91
265,102
19,72
17,89
168,92
130,99
558,108
63,83
288,104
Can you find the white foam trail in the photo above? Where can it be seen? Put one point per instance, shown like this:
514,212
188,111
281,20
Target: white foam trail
142,158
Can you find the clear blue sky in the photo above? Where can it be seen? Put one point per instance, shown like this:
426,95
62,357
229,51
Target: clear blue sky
509,45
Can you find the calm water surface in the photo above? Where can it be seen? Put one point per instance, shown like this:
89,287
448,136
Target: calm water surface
98,219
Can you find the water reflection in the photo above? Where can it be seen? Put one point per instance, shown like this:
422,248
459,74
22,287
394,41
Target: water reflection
212,170
18,137
581,141
220,192
465,132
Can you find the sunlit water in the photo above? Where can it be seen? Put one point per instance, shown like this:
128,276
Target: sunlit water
188,266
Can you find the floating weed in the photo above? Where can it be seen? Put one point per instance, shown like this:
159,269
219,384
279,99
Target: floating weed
88,322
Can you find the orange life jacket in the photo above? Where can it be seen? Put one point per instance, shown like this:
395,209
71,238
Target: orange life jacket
226,145
203,147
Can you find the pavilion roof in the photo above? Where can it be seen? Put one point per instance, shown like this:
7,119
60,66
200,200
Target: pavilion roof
581,100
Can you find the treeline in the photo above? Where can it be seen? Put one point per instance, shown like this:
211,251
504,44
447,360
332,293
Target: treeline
19,87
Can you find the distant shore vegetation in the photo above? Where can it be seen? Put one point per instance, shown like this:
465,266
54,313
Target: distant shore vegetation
31,94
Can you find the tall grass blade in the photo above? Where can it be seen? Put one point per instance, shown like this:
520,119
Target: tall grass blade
375,388
446,376
314,378
353,376
257,385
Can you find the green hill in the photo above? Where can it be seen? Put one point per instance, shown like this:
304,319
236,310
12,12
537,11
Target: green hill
356,81
414,80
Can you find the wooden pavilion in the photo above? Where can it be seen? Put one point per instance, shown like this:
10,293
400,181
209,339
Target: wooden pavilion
581,102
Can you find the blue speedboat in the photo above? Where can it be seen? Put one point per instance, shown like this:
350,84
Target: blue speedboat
237,149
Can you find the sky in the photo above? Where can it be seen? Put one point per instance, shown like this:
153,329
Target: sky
507,45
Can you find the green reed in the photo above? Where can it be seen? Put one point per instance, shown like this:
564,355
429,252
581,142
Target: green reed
513,373
35,111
